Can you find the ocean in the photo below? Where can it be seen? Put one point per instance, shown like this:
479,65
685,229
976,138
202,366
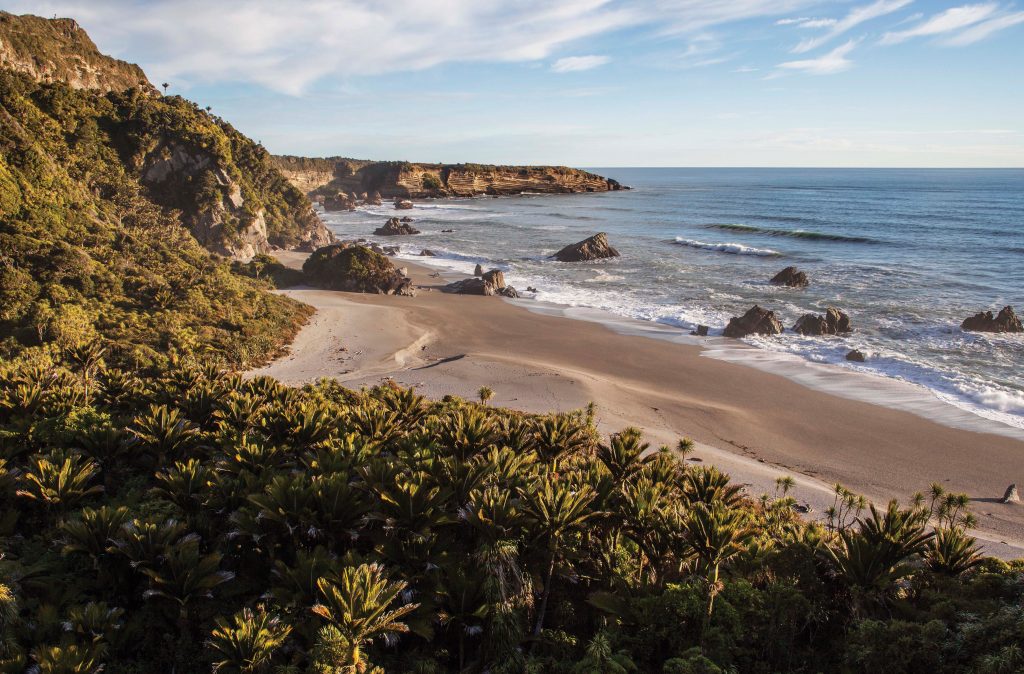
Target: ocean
907,253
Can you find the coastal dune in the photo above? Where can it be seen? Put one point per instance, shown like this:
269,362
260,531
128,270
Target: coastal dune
754,424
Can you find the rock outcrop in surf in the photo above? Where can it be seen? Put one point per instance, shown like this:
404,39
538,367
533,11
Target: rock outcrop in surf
756,321
1005,321
834,322
594,248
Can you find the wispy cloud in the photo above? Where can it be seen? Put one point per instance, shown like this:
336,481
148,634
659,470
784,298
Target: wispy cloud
807,22
854,18
833,62
953,19
571,64
982,30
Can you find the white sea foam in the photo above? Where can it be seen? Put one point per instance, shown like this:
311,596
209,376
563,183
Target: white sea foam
731,248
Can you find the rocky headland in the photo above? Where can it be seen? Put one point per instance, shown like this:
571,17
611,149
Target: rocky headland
323,179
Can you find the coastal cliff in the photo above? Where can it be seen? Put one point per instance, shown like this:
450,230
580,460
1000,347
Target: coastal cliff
58,50
220,184
319,178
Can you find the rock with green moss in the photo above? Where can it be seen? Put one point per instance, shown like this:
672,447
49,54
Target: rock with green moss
355,269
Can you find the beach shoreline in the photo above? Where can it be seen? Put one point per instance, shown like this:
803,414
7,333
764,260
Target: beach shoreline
755,425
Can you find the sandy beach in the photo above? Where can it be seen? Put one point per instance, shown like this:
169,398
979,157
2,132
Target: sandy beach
756,425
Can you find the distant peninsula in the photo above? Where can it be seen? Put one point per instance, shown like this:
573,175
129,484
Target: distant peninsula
324,177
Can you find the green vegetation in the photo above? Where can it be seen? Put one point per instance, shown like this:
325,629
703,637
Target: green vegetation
342,266
431,182
195,520
87,252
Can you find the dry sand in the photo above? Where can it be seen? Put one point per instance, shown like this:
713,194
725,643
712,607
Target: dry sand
753,424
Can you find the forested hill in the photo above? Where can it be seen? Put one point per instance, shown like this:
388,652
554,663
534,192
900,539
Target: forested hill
112,199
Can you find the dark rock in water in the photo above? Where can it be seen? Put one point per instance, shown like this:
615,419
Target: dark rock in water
594,248
395,227
531,289
508,291
339,202
701,331
833,322
405,218
373,200
479,271
354,269
856,356
426,252
403,204
470,286
495,277
792,278
756,321
391,250
1005,321
1011,495
447,231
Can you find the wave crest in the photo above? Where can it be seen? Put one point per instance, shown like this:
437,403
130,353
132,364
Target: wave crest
731,248
793,233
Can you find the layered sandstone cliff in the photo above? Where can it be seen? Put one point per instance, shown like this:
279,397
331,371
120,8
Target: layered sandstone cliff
324,177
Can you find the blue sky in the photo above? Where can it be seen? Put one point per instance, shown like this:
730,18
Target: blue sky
591,82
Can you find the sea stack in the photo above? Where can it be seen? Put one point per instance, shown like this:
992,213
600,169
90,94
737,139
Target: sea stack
594,248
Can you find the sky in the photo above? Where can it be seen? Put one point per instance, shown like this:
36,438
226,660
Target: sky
595,83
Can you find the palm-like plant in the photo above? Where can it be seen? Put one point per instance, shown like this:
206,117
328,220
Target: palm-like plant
953,552
164,431
600,658
708,485
88,359
358,605
246,643
186,575
485,394
184,484
560,436
60,481
555,512
93,532
69,659
623,456
715,533
873,557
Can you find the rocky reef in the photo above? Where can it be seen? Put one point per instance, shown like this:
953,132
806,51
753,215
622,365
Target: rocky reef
756,321
320,178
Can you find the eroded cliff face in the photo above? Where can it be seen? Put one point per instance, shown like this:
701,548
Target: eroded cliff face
58,50
325,177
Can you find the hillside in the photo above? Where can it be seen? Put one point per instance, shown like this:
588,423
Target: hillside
322,177
90,251
58,50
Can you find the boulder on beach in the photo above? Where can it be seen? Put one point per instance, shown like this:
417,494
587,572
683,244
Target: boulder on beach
354,269
470,286
756,321
594,248
791,277
1011,495
495,277
403,204
1005,321
856,356
508,291
395,227
478,271
426,252
701,331
833,322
